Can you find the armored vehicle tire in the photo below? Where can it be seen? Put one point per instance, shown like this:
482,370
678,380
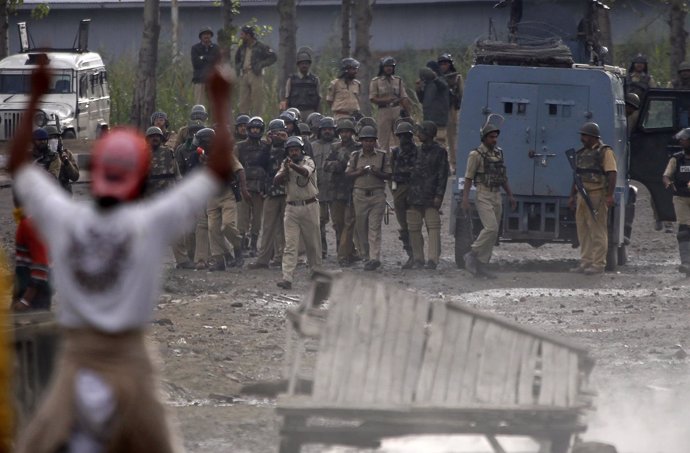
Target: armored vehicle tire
69,135
463,237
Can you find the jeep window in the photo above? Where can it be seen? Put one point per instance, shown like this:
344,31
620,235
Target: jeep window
104,83
21,83
659,114
83,86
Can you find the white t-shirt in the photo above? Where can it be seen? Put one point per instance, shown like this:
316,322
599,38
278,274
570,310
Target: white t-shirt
107,264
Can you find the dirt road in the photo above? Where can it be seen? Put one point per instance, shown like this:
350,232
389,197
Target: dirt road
217,331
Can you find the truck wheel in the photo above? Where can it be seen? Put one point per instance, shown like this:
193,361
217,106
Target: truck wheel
611,259
463,238
69,135
622,255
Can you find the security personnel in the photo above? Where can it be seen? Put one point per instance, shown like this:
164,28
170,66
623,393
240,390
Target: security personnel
298,173
632,111
343,92
434,95
596,164
342,207
302,88
322,148
43,156
682,82
370,168
272,229
486,169
402,163
250,60
387,92
254,157
456,86
69,169
639,80
197,121
427,186
241,127
160,120
313,120
205,55
677,176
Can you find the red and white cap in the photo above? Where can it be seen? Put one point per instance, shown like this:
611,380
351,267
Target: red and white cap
120,163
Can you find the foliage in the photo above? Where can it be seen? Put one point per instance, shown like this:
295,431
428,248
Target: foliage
40,11
656,50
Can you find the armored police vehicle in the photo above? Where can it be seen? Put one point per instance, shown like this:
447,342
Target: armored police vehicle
545,98
78,99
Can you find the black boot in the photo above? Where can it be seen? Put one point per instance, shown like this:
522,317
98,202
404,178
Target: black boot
324,242
253,244
684,248
239,259
245,243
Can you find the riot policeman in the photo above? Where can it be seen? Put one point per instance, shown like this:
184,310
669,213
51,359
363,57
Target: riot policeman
456,86
241,127
402,163
322,148
677,176
302,88
639,80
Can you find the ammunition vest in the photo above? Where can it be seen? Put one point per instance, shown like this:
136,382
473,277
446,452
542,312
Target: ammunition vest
590,164
681,177
304,93
495,174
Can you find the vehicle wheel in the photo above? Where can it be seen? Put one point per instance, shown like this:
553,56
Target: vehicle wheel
69,135
611,259
463,238
622,255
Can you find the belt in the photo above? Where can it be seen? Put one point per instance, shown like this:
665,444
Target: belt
302,202
390,104
369,192
343,112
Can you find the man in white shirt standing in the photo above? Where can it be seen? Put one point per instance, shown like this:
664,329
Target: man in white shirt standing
108,259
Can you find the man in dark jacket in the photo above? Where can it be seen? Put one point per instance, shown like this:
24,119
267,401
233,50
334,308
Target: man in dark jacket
434,95
425,193
205,55
250,60
302,87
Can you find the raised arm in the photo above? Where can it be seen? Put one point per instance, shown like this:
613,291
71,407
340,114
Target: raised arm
219,90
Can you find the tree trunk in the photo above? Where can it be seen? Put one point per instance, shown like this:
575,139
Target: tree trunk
144,99
678,35
287,49
4,28
363,17
174,25
345,14
226,34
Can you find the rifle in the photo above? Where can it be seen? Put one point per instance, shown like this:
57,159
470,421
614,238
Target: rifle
570,154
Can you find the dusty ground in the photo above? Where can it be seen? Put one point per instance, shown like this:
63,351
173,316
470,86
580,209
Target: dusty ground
217,331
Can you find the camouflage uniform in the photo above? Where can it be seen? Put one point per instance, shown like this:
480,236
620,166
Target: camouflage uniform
164,170
272,229
402,163
254,156
342,207
51,162
322,150
427,187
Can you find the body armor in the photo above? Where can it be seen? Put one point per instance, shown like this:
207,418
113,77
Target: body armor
304,93
681,177
252,156
495,174
590,165
276,158
163,169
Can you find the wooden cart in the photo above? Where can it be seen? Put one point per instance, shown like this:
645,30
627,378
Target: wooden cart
392,363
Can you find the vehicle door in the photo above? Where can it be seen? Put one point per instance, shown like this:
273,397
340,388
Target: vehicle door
516,102
83,104
104,98
561,112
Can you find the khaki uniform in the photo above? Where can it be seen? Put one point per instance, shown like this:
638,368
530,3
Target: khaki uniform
273,231
385,86
344,96
592,232
369,197
250,213
301,218
488,203
222,223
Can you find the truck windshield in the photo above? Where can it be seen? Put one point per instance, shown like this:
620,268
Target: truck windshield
60,83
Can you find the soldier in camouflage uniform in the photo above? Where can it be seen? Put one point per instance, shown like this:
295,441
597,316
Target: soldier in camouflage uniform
272,229
456,86
43,156
197,121
682,82
160,120
241,127
387,92
402,163
639,80
69,169
322,148
253,155
313,121
427,186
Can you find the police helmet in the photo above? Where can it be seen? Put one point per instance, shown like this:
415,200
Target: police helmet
683,134
205,30
198,113
304,129
157,115
295,110
294,141
591,129
248,29
388,61
684,66
255,122
326,122
276,125
40,134
242,119
303,54
404,127
204,137
367,132
153,130
349,62
313,119
288,116
427,128
52,131
445,57
639,58
632,100
345,124
365,121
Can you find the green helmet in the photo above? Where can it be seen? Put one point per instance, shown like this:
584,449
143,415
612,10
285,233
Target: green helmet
296,112
198,113
51,130
404,127
428,128
153,130
304,129
632,100
276,125
489,128
346,124
204,137
327,122
365,121
591,129
295,141
367,132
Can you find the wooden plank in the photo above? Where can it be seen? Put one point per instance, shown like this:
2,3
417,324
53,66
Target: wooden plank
507,342
458,366
376,346
510,385
491,364
404,304
439,386
560,393
416,348
386,365
528,364
326,357
548,374
573,377
344,342
361,342
474,356
432,352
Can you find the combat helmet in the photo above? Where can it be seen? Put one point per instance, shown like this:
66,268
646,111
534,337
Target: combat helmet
204,137
205,30
367,132
591,129
293,141
403,127
345,124
493,124
242,119
365,121
349,62
684,66
276,125
632,100
313,119
326,122
304,54
255,122
386,61
153,130
296,112
304,129
198,113
428,128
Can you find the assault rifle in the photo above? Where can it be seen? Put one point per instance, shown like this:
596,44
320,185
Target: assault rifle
570,154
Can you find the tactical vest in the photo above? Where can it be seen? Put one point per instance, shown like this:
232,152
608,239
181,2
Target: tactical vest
250,156
681,177
163,164
276,160
590,164
403,163
304,92
495,174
